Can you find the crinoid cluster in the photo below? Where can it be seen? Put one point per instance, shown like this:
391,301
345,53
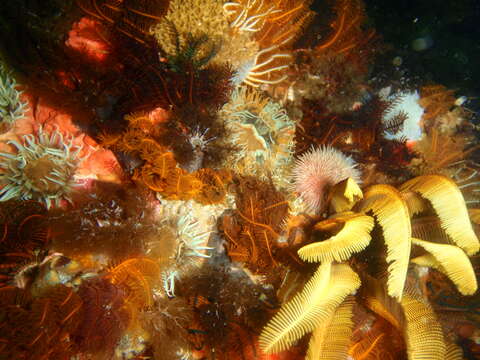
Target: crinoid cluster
41,168
266,200
161,172
253,228
263,131
12,107
325,305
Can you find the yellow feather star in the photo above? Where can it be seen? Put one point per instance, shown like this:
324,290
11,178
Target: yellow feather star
451,261
393,216
447,201
345,195
314,305
423,333
352,238
330,341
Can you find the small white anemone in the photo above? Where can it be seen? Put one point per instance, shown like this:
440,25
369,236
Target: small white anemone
190,246
41,169
190,240
199,140
242,72
168,278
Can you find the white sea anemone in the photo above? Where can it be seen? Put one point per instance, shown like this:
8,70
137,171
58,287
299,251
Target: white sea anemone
41,169
11,107
179,246
262,131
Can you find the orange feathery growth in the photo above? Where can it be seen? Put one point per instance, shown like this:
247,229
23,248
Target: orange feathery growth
254,226
38,328
440,151
436,100
274,22
347,33
131,18
205,186
100,330
275,25
24,233
136,276
381,341
284,24
160,172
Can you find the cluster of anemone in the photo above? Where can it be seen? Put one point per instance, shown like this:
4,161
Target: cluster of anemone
180,245
41,168
263,132
12,107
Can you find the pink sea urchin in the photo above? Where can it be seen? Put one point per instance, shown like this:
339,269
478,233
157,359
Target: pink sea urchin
317,169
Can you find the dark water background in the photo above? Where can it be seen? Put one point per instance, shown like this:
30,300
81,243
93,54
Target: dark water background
452,27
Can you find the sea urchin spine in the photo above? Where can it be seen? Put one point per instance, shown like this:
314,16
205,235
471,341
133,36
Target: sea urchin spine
318,169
